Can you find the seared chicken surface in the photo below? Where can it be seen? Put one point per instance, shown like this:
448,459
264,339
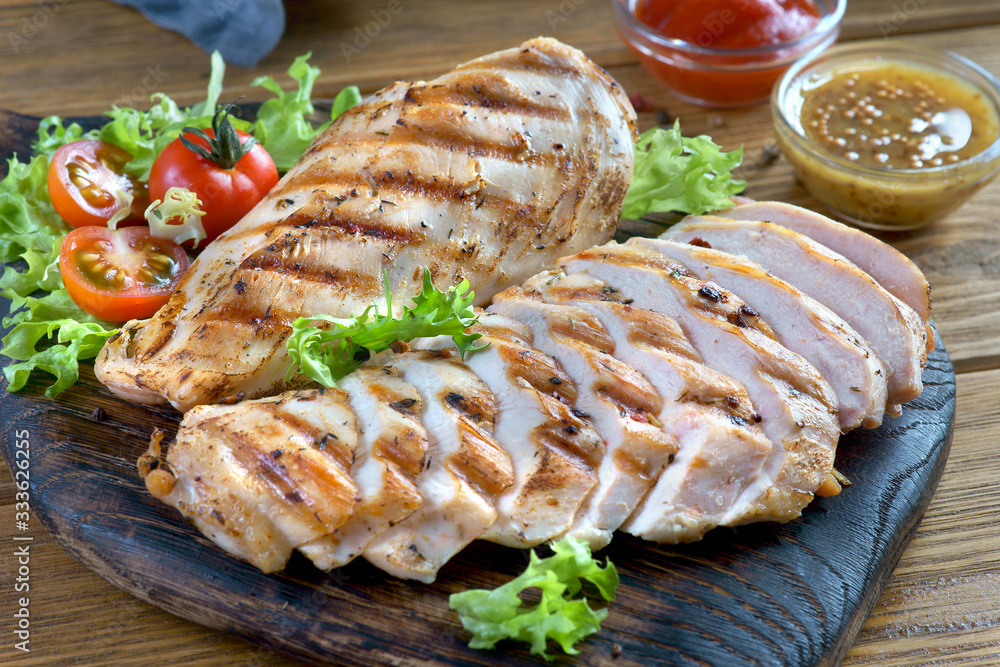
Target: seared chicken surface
655,387
489,173
893,330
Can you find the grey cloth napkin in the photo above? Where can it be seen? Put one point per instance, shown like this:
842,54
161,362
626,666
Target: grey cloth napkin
243,31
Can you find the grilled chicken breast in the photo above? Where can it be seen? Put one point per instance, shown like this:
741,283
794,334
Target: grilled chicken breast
617,397
801,324
391,451
264,477
619,392
487,173
464,471
797,407
555,451
720,448
892,329
892,269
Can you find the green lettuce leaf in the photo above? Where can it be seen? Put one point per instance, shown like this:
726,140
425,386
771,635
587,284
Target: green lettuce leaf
283,126
31,231
492,616
328,353
144,134
676,173
78,335
52,135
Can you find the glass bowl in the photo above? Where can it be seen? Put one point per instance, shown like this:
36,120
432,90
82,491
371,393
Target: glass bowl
719,77
879,197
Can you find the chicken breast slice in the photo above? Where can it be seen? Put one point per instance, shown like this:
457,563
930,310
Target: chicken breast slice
720,448
555,450
261,478
892,269
489,173
892,329
801,324
464,470
797,407
616,396
392,445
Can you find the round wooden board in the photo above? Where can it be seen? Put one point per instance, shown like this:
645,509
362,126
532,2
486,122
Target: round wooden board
789,595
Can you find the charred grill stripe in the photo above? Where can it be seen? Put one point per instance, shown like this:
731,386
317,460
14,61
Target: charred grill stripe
487,94
353,224
327,443
322,275
454,138
527,61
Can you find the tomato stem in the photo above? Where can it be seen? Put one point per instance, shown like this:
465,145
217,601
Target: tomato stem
224,149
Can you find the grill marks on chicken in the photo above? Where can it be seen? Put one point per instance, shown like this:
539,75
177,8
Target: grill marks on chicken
391,452
892,329
487,173
464,471
802,324
796,405
262,478
721,450
622,391
554,450
617,397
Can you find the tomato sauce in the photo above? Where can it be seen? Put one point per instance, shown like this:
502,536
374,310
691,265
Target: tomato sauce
745,38
730,24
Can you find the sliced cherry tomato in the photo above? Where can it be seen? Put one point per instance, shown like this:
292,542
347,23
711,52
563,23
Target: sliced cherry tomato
228,170
87,185
119,275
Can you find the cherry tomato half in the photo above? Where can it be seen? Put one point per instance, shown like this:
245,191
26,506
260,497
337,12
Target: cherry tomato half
87,185
226,194
120,275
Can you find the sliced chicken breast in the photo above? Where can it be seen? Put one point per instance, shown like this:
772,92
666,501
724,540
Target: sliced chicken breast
801,324
797,407
555,451
892,269
720,448
263,477
489,173
619,400
464,470
891,328
392,445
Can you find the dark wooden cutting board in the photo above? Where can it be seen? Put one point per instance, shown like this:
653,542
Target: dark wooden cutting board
784,595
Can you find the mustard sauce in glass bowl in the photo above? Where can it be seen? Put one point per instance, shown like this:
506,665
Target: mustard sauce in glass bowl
889,136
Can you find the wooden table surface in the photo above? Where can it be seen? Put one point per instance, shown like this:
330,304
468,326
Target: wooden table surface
942,604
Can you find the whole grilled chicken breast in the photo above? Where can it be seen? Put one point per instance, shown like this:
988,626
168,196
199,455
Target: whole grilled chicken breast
489,173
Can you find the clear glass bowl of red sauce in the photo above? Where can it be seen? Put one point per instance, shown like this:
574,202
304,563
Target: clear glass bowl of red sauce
889,136
725,53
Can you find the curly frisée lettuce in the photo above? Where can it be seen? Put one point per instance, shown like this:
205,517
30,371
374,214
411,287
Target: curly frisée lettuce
328,353
31,231
46,330
492,616
686,174
282,124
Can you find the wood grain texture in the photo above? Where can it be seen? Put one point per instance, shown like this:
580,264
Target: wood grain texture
938,607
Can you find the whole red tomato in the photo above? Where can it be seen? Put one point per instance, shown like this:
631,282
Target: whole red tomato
228,170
